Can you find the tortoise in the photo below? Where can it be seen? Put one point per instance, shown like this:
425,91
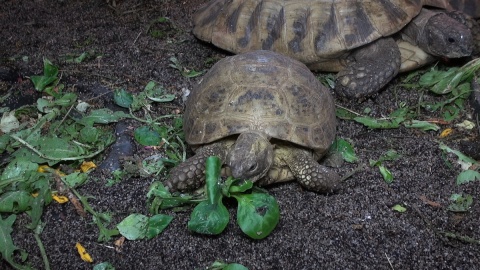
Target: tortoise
266,117
364,41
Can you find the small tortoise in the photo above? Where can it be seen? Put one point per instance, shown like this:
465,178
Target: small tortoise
355,38
266,117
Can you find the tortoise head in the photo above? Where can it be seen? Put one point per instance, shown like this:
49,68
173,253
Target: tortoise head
251,157
447,36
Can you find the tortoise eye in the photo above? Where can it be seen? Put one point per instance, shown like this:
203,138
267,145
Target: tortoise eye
253,167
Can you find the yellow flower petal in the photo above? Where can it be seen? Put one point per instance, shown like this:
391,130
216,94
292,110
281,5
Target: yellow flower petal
43,168
446,132
83,253
86,166
60,199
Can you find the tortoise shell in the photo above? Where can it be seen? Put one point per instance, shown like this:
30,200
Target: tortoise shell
319,33
261,91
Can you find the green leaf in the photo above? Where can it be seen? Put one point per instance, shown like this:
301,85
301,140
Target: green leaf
104,266
379,123
345,148
147,136
207,218
75,179
134,226
212,175
7,248
468,176
399,208
219,265
156,93
460,203
422,125
122,98
103,116
156,225
235,266
240,186
50,73
58,148
387,175
258,214
18,168
462,158
15,201
89,134
163,199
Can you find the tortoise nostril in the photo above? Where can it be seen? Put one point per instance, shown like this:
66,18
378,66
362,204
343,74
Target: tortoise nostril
451,40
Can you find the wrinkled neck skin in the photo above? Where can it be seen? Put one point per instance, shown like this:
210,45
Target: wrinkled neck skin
439,34
251,156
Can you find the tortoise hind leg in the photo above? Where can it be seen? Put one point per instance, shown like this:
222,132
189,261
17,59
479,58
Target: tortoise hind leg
309,173
374,66
190,174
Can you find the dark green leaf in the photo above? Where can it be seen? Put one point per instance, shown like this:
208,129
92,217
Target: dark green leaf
122,98
89,134
103,116
156,225
15,201
7,248
145,135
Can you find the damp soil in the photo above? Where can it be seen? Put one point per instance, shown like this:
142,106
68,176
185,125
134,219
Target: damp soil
354,229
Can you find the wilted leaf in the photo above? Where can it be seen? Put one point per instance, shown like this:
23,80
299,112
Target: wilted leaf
9,122
460,203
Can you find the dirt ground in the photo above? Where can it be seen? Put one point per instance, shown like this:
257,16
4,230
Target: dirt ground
355,229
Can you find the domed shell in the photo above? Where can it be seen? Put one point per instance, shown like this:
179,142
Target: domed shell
263,91
319,33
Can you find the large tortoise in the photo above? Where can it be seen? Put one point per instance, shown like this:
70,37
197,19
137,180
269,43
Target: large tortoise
353,37
266,117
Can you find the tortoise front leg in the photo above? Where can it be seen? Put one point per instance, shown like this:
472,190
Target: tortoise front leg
374,66
310,174
190,174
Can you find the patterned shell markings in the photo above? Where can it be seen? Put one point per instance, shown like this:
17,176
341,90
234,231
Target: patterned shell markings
261,91
311,31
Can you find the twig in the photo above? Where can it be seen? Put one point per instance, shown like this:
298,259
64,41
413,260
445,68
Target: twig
354,171
389,262
348,110
137,38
